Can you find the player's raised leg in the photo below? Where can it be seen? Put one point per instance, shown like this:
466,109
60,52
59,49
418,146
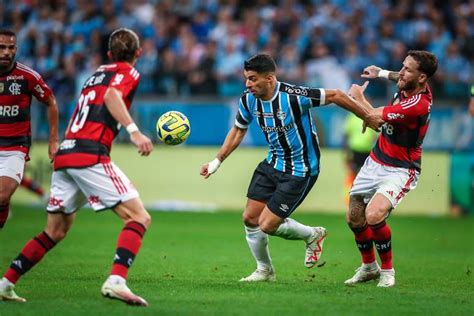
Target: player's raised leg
136,220
291,229
258,243
369,270
56,229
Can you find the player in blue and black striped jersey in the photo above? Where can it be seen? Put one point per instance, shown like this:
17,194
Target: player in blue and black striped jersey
282,180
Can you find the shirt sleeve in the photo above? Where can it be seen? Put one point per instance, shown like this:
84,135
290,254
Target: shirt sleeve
40,89
244,116
406,110
125,81
313,97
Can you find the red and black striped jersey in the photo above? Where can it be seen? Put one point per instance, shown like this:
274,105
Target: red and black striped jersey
16,90
92,128
406,124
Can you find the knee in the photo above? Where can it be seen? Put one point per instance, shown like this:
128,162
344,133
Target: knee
144,219
4,197
267,227
57,234
249,221
354,221
375,215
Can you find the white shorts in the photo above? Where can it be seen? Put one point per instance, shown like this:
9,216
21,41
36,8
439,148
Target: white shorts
12,164
103,186
393,182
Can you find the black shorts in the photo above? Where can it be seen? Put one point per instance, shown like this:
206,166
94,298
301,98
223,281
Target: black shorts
281,191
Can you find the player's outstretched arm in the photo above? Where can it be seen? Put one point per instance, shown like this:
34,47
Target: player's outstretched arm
364,110
117,108
53,115
232,141
372,72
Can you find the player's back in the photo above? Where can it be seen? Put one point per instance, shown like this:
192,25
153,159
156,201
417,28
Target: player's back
92,128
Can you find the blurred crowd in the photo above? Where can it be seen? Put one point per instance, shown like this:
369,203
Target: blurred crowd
197,47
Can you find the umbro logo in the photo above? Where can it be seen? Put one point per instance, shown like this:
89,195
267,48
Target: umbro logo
284,208
390,193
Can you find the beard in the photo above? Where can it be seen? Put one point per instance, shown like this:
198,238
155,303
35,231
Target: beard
406,85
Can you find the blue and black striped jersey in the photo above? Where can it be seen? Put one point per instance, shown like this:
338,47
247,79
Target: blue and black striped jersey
287,125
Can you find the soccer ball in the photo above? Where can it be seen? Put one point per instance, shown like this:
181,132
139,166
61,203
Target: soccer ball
173,128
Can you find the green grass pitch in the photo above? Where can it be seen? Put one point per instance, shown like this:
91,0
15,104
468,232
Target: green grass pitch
190,264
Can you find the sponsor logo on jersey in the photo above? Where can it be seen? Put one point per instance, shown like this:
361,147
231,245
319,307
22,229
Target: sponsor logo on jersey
296,90
277,129
94,80
15,88
67,144
284,208
9,110
15,77
394,116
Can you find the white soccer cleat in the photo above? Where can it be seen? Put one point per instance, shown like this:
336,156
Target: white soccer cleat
7,292
260,276
364,273
314,247
387,278
119,290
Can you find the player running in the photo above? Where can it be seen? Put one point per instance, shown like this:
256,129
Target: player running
83,171
281,181
18,83
394,165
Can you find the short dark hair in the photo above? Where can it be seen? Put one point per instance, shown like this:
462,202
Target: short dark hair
123,44
427,62
6,32
261,63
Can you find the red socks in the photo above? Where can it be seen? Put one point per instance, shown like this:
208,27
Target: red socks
128,245
383,242
30,255
364,241
381,236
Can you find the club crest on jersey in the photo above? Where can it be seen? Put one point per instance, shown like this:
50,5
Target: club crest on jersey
281,115
15,88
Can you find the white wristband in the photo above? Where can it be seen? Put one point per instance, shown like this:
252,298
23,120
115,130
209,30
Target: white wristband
383,74
213,166
131,128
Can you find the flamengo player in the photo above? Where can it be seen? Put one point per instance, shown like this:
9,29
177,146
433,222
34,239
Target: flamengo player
394,165
18,83
84,173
